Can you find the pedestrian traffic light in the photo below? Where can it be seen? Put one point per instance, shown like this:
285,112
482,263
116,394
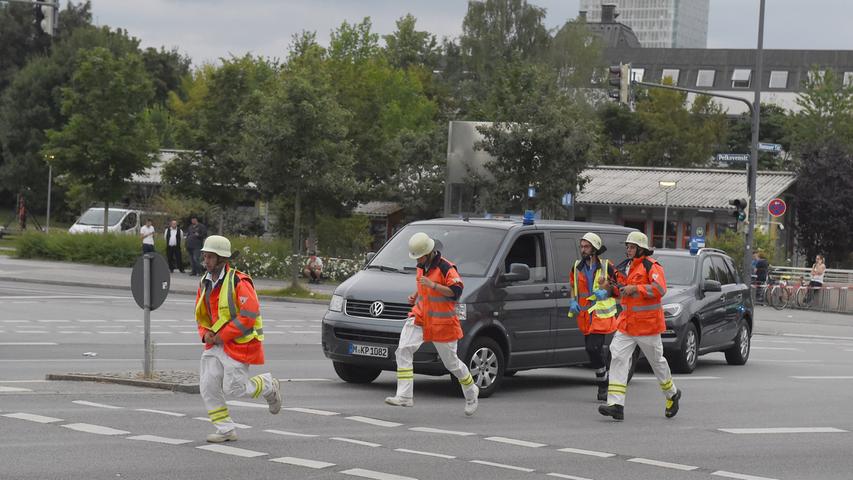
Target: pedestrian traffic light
740,205
47,17
619,78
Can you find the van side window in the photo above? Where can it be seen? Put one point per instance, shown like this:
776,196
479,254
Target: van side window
565,248
129,221
529,250
615,243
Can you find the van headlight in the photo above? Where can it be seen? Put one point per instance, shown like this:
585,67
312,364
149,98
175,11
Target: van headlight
672,309
461,311
337,303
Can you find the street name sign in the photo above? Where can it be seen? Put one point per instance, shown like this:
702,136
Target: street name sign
732,157
770,147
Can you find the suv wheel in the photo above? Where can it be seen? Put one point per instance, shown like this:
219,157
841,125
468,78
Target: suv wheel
356,374
738,354
684,360
486,362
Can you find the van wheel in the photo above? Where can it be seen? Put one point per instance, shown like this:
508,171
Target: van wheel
738,354
356,374
684,360
485,360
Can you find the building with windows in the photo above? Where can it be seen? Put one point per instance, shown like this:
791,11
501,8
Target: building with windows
657,23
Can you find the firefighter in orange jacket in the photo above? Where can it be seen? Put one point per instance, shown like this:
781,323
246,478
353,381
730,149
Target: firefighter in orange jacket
432,319
230,325
640,324
593,284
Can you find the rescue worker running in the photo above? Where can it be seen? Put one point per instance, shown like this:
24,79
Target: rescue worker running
230,325
640,324
593,288
432,319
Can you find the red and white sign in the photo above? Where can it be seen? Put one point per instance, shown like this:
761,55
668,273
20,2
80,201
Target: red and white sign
777,207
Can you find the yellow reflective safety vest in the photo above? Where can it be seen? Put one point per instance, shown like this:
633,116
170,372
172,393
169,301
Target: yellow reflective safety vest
595,316
228,310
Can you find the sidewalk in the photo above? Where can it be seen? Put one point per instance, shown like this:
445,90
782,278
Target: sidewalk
75,274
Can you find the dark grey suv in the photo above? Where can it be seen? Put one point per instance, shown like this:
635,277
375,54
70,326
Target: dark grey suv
707,308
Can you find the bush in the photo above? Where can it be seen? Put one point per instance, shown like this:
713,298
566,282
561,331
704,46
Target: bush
343,237
733,244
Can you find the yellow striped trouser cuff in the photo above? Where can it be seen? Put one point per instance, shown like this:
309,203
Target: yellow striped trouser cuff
667,385
259,385
219,415
405,374
468,380
617,388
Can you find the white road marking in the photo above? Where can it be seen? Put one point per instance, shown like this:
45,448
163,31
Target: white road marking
676,378
824,377
750,431
13,389
570,477
429,454
96,429
115,333
739,476
591,453
177,344
512,441
786,361
189,332
238,403
89,320
289,434
238,452
267,332
360,472
357,442
236,425
93,404
438,430
302,462
156,439
32,417
373,421
53,321
51,297
658,463
31,332
128,320
778,348
311,410
29,344
305,331
15,321
828,337
161,412
24,381
503,465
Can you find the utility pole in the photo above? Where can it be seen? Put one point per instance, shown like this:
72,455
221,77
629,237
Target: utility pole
752,172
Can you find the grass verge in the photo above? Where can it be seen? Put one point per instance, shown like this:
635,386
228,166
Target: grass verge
297,292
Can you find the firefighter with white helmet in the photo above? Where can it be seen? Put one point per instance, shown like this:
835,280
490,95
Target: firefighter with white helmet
432,319
593,304
641,322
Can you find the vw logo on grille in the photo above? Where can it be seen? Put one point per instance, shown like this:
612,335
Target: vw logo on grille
376,308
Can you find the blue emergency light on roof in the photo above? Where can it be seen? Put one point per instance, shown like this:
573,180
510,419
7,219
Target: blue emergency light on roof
528,217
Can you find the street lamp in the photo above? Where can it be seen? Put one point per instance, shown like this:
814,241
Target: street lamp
49,159
667,186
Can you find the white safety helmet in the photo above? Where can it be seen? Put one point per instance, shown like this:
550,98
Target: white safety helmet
217,244
420,244
639,239
593,239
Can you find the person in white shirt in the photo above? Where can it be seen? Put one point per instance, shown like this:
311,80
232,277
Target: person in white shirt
147,234
173,236
313,269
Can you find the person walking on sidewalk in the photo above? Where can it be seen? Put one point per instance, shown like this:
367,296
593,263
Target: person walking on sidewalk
230,325
432,319
593,290
173,236
195,239
146,233
640,324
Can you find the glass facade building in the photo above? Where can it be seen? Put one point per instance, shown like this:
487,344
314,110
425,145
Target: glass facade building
659,23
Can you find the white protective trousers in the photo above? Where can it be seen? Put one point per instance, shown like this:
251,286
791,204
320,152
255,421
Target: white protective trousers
221,375
621,351
411,338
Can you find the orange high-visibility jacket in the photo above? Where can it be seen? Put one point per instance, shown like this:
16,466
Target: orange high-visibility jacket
597,324
434,312
243,341
642,313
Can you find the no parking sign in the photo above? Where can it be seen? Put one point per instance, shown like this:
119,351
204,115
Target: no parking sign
777,207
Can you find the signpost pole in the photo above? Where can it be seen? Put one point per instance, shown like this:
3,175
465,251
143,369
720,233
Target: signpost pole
146,308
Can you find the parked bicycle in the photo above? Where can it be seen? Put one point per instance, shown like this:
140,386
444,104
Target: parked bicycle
778,295
807,294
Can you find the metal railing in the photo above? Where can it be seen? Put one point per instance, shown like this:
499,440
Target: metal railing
833,296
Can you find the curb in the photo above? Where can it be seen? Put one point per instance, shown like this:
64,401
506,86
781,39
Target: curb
175,387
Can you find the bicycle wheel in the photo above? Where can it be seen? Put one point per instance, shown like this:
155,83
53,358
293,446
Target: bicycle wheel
778,297
802,297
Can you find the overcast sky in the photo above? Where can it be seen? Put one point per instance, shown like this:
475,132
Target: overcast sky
209,29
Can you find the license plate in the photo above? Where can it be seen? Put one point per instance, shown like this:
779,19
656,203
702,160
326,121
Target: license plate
368,350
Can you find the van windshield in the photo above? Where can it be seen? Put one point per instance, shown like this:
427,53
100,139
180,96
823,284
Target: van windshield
470,248
677,269
96,217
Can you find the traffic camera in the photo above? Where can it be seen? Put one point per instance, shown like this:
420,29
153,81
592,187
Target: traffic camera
740,205
619,78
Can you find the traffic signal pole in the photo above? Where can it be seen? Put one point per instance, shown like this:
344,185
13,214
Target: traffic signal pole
753,160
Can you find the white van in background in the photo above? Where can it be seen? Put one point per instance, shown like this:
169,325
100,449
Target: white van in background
120,220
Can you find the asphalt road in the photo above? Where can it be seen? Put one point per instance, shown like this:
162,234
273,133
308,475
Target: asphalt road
785,415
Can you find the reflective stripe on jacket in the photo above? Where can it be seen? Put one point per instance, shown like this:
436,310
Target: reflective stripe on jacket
642,313
597,317
434,312
235,316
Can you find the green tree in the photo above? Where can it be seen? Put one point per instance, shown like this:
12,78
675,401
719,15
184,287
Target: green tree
108,137
422,173
295,143
575,52
408,47
821,135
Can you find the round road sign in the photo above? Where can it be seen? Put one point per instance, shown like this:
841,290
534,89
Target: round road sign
159,279
777,207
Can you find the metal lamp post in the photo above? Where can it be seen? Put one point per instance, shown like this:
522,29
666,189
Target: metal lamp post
49,184
667,186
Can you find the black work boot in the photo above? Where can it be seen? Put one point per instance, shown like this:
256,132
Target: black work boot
672,404
615,411
602,391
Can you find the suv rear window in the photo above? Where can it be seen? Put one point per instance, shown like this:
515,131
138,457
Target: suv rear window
471,248
678,270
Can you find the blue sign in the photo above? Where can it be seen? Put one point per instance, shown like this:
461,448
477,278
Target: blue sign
777,207
695,244
567,200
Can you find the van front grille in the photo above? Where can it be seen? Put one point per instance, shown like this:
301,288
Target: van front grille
387,338
390,311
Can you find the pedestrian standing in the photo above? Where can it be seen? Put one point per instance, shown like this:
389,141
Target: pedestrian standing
640,324
230,325
816,278
173,236
195,239
593,290
147,235
432,319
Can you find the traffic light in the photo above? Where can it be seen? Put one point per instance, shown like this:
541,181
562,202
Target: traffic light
47,17
740,204
619,78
